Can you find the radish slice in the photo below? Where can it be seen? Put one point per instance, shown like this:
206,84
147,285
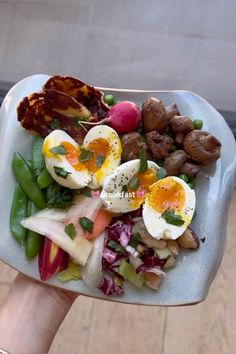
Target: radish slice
92,273
83,206
79,248
55,214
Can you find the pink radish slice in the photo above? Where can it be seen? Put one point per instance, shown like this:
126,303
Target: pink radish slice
83,206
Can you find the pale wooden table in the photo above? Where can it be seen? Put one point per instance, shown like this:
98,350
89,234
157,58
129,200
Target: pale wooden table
98,327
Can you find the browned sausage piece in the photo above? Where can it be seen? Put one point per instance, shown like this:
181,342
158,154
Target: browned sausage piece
174,162
154,115
190,169
181,124
159,145
132,143
202,146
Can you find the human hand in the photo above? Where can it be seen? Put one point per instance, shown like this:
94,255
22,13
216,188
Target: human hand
31,315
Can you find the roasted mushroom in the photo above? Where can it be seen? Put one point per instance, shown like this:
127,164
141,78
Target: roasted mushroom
132,143
179,138
152,280
181,124
173,247
189,239
159,145
174,162
190,169
154,115
172,110
202,146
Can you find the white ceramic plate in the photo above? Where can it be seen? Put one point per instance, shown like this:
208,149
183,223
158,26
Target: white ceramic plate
189,282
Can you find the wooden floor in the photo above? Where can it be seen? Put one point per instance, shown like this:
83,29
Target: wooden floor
94,327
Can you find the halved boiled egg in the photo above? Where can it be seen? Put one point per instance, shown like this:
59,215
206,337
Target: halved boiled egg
61,154
126,188
105,146
168,208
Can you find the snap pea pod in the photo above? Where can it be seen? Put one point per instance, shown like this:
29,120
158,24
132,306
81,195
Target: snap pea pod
44,179
25,179
19,210
37,156
33,240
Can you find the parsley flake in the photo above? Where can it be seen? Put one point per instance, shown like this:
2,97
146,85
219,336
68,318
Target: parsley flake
60,172
172,218
59,150
86,224
70,231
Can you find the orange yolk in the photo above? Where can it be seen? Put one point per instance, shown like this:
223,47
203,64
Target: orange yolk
146,179
98,146
167,194
72,156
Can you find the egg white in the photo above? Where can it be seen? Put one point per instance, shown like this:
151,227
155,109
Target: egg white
112,196
112,159
75,179
156,224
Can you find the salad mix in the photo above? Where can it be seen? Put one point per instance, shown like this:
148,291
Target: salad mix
107,195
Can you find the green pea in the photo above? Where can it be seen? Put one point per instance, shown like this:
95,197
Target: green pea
33,240
109,99
25,179
19,210
184,177
197,123
44,179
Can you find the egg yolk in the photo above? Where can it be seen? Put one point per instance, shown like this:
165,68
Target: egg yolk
166,194
145,180
99,147
72,156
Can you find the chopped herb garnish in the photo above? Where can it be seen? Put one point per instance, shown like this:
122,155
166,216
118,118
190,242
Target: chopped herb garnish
203,239
124,189
59,150
135,240
70,231
172,218
116,246
161,173
61,172
85,155
99,160
54,124
133,183
59,197
143,161
86,224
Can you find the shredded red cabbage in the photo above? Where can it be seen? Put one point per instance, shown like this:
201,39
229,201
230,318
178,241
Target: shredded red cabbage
109,255
108,287
152,262
120,231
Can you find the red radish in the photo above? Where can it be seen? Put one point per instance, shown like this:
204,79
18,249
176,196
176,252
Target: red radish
124,117
52,259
